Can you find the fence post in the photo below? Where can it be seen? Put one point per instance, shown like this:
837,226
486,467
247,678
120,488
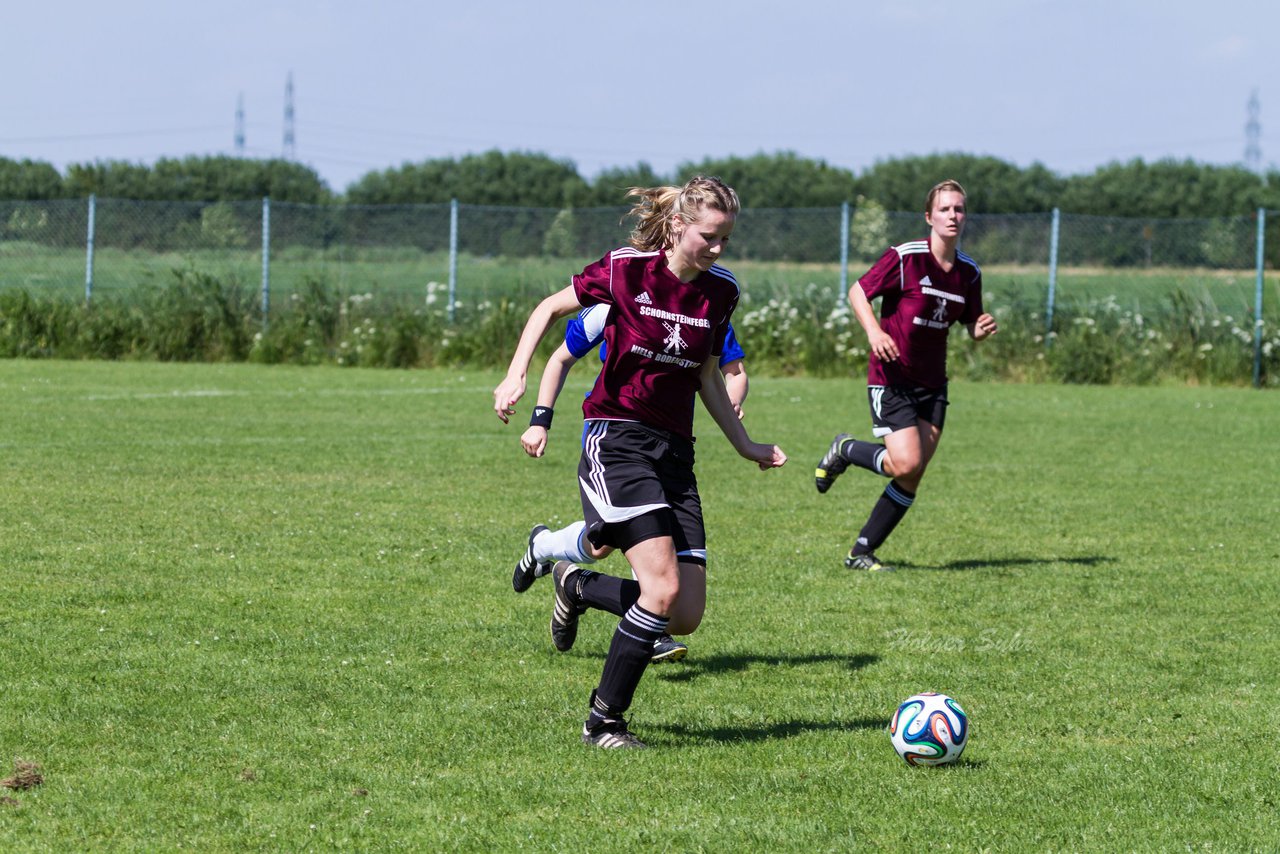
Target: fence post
1053,276
844,252
453,257
266,258
88,255
1257,306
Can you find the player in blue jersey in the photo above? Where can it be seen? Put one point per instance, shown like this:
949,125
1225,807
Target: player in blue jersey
584,333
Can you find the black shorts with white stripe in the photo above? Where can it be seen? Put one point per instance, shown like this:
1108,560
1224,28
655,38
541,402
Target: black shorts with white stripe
637,483
896,408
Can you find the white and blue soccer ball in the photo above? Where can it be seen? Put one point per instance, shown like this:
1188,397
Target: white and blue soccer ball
929,729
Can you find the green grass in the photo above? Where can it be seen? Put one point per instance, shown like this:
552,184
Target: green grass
268,608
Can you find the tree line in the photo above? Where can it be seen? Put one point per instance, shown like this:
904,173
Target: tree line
1162,189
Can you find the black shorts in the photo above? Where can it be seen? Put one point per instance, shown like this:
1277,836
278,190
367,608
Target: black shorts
895,407
637,483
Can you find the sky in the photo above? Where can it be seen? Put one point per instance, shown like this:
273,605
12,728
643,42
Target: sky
1070,84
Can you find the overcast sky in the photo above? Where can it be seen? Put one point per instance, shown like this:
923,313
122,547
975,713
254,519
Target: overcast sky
1072,84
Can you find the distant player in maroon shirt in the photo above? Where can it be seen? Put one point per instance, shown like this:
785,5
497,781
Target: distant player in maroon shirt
670,304
924,287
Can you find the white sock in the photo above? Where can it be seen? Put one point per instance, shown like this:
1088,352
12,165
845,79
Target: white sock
564,544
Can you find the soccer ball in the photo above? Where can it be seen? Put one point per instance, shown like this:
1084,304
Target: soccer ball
929,729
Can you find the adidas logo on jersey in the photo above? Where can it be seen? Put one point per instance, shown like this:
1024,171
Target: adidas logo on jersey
925,282
644,299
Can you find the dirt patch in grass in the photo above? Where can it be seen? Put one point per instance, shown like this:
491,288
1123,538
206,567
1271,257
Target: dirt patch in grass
26,775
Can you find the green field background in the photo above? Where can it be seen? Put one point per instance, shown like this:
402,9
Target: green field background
269,608
407,274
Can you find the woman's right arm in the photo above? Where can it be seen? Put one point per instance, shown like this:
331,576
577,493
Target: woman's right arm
551,309
878,341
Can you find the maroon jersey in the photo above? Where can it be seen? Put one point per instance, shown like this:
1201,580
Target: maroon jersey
920,302
659,333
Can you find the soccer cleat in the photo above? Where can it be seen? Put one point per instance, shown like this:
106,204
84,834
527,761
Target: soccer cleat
529,568
611,734
832,464
564,616
667,648
867,561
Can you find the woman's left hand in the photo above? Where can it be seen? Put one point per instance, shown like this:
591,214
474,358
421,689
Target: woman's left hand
984,327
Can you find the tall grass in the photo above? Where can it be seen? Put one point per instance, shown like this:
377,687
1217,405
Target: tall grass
1180,335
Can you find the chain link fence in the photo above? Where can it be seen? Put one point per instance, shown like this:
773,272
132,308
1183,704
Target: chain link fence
98,247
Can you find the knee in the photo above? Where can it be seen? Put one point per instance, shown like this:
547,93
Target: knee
684,624
663,593
906,471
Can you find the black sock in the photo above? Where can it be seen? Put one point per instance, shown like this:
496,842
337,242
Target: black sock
607,592
629,655
892,505
867,455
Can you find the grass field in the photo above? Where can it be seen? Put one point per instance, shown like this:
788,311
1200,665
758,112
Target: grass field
269,608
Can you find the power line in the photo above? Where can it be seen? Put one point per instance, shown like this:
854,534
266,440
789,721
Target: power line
129,134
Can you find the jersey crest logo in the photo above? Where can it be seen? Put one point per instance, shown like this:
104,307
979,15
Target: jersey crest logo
940,313
644,299
674,342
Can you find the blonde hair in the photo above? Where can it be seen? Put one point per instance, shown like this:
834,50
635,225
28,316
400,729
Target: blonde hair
656,206
948,185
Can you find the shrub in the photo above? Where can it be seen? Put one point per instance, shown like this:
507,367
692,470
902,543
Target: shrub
198,318
809,330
